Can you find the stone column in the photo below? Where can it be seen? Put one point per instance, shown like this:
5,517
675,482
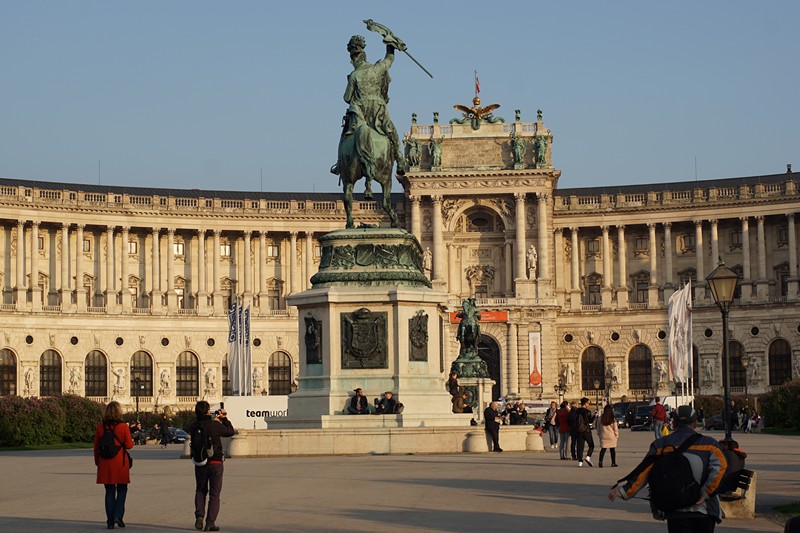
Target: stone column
66,294
747,274
519,244
216,295
792,292
605,291
559,283
36,290
575,288
20,285
261,270
294,287
669,284
714,241
509,270
309,259
155,269
438,243
247,267
416,218
80,290
622,251
172,296
762,283
513,360
544,246
110,292
124,292
652,290
201,285
700,285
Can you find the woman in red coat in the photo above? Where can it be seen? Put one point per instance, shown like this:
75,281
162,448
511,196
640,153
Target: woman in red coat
114,473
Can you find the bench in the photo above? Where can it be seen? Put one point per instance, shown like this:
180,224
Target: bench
741,503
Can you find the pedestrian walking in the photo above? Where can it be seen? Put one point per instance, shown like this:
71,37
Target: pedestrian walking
658,417
562,419
573,435
206,431
582,428
112,440
607,434
164,430
552,424
491,420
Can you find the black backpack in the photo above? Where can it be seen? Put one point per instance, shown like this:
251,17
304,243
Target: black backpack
201,447
579,423
108,443
672,483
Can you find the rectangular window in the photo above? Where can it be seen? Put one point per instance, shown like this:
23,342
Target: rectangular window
178,248
736,239
225,249
133,247
641,292
272,250
592,247
783,236
87,245
41,243
640,244
594,297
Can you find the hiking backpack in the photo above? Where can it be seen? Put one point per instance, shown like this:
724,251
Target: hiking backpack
108,443
201,447
672,482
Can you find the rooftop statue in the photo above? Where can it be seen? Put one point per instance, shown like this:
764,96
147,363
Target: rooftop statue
369,145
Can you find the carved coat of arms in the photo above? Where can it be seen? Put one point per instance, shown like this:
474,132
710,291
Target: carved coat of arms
364,339
418,337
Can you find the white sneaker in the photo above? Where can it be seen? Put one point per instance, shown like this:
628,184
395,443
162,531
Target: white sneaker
588,461
580,463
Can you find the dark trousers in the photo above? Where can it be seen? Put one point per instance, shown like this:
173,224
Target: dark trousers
613,455
494,434
115,502
209,482
573,444
553,432
700,524
585,437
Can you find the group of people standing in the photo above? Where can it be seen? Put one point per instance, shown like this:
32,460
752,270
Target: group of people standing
112,441
570,428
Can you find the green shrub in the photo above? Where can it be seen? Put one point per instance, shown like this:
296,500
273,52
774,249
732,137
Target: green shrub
82,416
781,407
30,421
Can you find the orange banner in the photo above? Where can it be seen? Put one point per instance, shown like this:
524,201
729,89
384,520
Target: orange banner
486,316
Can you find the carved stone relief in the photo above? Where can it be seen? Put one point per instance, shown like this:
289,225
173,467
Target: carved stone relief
364,339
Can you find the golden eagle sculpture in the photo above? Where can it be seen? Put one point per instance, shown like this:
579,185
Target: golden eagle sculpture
476,114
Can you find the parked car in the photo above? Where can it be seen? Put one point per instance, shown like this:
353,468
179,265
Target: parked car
641,419
625,412
715,422
177,436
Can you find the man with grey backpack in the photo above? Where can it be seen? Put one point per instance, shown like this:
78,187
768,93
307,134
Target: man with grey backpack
684,471
207,455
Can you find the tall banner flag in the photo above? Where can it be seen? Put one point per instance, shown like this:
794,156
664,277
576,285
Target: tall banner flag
233,348
246,355
535,357
680,335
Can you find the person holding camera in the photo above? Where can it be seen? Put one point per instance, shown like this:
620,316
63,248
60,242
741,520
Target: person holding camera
208,477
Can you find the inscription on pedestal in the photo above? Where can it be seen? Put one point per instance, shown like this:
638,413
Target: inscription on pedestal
364,339
418,337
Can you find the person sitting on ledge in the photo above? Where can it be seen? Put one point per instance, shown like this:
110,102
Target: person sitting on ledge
460,404
387,405
358,403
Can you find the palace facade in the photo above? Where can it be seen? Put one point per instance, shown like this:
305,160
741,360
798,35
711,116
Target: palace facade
123,291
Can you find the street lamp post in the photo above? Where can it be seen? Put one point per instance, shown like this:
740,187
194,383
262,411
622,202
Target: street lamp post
722,282
745,360
560,389
597,394
137,381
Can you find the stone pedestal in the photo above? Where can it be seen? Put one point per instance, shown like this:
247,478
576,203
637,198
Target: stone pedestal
370,322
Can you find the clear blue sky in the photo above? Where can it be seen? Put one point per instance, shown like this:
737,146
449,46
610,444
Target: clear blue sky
203,94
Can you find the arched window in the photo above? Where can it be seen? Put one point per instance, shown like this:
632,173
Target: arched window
95,368
738,376
50,373
187,375
226,377
8,373
593,364
142,368
280,373
780,362
640,368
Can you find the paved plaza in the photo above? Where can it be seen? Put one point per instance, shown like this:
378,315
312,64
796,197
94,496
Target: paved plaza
55,491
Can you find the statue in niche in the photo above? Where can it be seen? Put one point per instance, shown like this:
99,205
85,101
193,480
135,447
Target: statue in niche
661,368
533,258
258,379
119,381
755,369
518,146
427,261
164,380
435,149
568,373
30,380
708,371
75,379
612,370
412,151
210,378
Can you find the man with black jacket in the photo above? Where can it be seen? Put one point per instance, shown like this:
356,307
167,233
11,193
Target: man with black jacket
582,428
491,421
209,476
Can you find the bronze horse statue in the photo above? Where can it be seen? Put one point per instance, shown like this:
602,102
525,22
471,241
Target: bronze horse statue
469,330
366,153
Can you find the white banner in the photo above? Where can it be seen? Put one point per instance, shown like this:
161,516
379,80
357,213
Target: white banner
680,335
